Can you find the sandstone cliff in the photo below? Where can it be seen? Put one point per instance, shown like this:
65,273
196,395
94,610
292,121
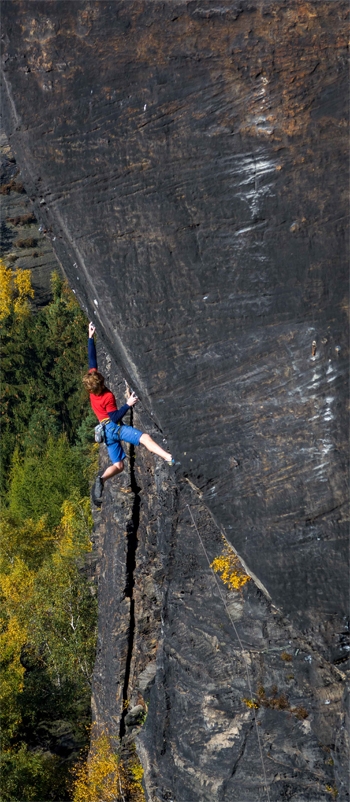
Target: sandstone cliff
189,163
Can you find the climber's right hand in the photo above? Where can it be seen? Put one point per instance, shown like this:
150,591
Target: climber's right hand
92,330
132,399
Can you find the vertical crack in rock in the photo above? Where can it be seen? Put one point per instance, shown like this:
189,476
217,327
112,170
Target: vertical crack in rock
132,529
243,748
225,785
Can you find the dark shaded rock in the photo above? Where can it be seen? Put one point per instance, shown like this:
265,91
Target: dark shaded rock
23,243
194,652
58,737
190,161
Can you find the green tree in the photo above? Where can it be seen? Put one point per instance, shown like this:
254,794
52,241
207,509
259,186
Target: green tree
31,776
48,630
43,356
47,605
39,483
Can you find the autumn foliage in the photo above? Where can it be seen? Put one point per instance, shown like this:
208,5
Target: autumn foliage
229,568
107,776
47,601
15,291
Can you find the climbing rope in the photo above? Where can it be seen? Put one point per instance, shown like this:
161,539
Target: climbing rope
241,647
122,797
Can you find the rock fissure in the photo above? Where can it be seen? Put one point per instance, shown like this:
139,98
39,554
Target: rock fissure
132,529
243,748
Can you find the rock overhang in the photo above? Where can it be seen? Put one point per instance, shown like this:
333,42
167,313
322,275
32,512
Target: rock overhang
189,162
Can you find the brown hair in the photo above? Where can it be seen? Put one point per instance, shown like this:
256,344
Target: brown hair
94,382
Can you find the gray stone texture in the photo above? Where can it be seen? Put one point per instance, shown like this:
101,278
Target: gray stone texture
190,159
24,244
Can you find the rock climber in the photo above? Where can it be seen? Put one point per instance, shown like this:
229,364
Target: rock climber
105,408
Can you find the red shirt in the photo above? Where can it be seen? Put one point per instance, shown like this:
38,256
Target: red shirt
103,404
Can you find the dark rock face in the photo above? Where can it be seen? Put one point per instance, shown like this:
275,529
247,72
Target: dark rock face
190,161
175,643
24,245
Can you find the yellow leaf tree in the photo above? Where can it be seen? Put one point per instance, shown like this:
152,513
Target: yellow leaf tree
15,291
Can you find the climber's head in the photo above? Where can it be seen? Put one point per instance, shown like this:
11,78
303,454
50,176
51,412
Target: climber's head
94,382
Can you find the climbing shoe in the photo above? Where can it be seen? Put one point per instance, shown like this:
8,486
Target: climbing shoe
170,462
97,490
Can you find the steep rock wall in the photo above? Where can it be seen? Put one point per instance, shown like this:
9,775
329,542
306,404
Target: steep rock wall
189,161
175,642
24,244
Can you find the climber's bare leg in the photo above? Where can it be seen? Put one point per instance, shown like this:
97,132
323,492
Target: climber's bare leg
117,467
147,441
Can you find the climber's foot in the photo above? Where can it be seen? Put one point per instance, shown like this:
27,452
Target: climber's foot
97,490
170,462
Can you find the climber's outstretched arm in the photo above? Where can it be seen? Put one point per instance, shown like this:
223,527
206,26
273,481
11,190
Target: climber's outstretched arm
113,413
92,348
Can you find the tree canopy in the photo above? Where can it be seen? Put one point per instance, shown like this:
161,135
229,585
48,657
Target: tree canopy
47,601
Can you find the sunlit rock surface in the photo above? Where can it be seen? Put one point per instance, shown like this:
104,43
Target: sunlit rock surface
190,161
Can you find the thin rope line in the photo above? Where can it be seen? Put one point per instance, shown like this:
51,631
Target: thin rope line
241,647
121,790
